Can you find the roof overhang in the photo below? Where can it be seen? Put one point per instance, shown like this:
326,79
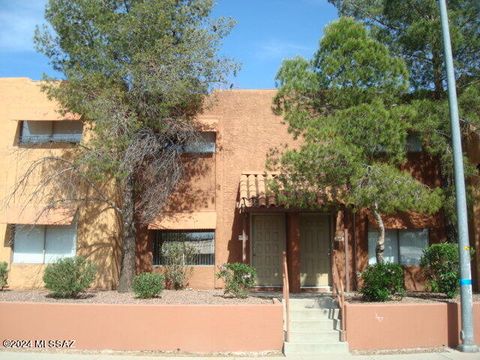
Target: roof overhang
254,191
38,215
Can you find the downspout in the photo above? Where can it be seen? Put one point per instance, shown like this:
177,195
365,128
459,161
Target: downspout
354,250
345,231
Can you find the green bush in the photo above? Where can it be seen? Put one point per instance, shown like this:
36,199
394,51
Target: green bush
441,265
3,274
176,257
148,285
68,277
238,278
382,282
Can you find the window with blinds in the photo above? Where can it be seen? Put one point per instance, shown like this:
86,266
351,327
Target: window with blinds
202,241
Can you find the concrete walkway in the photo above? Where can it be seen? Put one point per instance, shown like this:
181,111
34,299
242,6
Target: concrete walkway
18,355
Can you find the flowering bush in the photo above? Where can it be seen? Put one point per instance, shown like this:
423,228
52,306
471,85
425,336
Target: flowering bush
238,278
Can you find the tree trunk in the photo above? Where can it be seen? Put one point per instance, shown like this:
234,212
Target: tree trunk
380,248
127,270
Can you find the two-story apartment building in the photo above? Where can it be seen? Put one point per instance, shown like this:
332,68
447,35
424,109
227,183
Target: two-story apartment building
222,207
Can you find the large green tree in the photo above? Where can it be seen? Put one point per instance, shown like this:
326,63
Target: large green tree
345,104
137,71
411,30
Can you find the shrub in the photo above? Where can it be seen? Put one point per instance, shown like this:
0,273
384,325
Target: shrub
441,265
238,278
381,282
176,257
3,274
68,277
148,285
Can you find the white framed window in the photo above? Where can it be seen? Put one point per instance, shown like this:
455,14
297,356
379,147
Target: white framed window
40,132
403,247
202,241
204,145
43,244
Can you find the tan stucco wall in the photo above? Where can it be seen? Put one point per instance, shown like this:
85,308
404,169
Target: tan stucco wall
246,129
22,99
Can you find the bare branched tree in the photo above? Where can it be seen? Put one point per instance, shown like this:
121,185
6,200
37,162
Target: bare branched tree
137,72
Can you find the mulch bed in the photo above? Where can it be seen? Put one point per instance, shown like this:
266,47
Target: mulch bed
411,297
214,297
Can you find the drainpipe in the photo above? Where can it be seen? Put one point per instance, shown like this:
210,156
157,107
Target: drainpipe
345,237
466,334
354,250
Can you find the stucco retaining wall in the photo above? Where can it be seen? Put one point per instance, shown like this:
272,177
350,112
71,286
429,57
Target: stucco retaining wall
188,328
403,326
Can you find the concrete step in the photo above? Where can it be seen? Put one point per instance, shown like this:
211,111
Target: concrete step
313,314
314,336
313,325
317,302
308,348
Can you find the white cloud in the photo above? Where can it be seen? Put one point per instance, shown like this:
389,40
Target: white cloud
277,49
17,24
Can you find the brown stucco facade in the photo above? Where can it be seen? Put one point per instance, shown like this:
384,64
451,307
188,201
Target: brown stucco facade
209,199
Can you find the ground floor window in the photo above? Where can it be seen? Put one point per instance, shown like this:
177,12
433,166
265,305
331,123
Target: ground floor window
401,246
202,241
39,244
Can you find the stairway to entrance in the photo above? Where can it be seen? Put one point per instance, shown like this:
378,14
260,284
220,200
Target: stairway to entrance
315,327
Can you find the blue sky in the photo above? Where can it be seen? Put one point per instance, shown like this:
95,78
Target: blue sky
267,32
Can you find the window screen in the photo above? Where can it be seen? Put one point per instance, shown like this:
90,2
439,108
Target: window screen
28,244
60,242
412,244
202,241
34,244
204,145
37,132
401,246
414,143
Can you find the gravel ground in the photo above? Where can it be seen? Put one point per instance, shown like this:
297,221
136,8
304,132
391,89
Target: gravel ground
412,297
401,351
190,296
113,297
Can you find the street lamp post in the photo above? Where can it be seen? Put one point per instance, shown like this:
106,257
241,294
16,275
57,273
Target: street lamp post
466,334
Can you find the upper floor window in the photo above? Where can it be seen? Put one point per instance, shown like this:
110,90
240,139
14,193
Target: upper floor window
204,145
414,143
40,132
